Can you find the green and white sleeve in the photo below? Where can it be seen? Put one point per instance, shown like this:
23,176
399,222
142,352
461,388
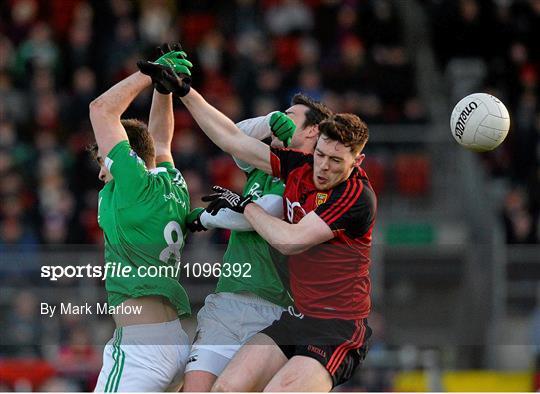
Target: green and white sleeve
258,128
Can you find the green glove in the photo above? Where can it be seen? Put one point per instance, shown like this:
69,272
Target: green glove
193,220
282,127
172,57
177,62
180,66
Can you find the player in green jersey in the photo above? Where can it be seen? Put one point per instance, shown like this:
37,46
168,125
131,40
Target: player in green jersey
141,210
250,294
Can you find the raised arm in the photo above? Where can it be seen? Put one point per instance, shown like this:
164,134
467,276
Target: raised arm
220,129
225,134
258,128
105,111
161,126
161,122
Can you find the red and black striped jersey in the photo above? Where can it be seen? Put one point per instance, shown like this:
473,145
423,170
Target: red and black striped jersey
330,280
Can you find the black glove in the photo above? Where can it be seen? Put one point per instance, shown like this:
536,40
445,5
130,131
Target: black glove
166,77
193,220
224,198
172,55
169,55
153,70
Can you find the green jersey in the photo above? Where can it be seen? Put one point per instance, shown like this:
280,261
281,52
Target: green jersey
259,274
142,214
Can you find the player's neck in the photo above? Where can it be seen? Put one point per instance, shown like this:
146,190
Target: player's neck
151,164
306,147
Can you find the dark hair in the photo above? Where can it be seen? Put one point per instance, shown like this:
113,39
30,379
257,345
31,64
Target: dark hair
139,139
317,111
348,129
93,150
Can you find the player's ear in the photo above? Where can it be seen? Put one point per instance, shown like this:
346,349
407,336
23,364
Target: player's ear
359,159
312,131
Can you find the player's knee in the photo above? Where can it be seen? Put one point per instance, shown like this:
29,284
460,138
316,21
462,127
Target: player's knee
284,382
294,381
227,386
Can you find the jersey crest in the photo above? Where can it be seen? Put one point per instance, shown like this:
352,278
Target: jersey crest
321,198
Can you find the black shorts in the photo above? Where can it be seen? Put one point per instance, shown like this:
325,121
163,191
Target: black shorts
339,345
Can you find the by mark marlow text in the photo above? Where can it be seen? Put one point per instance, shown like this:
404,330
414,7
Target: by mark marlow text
99,308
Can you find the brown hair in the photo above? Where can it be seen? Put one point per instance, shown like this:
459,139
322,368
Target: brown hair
348,129
93,150
139,139
317,111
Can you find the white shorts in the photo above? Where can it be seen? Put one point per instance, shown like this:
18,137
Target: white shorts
224,324
144,357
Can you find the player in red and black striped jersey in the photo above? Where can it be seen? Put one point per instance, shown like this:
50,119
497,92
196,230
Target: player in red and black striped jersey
330,280
330,213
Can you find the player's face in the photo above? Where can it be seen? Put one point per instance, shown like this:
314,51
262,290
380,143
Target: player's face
104,173
333,163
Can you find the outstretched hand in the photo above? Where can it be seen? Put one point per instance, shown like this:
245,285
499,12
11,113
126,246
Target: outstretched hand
225,198
174,57
165,78
171,65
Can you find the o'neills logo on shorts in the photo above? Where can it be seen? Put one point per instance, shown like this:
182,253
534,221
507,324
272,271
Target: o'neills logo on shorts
460,125
316,350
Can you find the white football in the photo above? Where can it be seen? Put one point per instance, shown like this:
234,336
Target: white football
480,122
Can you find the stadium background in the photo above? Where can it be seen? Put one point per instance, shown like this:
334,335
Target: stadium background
456,250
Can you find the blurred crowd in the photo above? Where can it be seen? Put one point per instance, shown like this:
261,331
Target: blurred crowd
44,354
492,46
250,58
